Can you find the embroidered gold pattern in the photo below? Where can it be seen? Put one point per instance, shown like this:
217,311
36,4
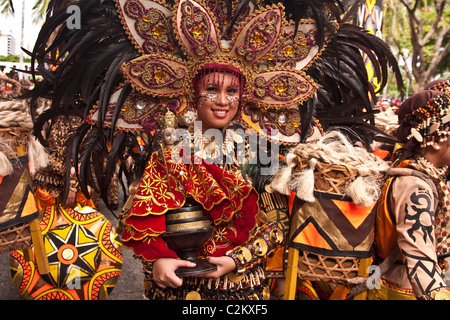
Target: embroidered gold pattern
196,28
261,35
150,25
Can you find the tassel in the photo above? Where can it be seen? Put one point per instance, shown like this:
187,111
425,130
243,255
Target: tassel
365,190
37,155
303,182
6,167
280,181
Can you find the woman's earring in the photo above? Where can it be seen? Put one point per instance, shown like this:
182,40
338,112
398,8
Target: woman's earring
436,146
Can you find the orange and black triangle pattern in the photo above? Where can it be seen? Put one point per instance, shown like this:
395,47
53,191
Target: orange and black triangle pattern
355,223
26,209
310,234
332,225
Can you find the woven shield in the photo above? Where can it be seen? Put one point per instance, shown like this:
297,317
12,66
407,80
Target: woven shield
332,232
17,203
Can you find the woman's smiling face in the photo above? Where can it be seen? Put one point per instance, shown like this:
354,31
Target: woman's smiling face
218,99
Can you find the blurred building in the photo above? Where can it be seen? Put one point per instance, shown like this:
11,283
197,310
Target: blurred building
7,43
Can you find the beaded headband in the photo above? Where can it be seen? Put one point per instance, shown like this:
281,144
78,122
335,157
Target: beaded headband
443,85
432,121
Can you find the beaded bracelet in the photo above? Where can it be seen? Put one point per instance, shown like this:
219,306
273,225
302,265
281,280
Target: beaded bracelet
262,243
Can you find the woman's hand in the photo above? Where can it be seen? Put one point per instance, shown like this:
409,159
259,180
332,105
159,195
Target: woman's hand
224,265
71,197
164,272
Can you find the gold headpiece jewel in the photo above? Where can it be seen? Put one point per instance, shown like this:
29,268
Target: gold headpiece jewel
170,119
167,120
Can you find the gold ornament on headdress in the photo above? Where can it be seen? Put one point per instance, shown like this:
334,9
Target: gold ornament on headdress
170,119
199,33
167,120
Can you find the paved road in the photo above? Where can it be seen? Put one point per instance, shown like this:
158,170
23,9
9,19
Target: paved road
128,287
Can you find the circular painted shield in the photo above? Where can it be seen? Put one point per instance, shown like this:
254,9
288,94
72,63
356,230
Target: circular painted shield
84,256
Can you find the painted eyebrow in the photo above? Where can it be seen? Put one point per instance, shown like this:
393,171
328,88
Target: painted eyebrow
213,84
233,86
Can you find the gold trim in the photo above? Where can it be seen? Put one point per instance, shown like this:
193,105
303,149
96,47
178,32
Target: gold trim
188,226
184,215
245,256
389,292
260,247
235,277
444,294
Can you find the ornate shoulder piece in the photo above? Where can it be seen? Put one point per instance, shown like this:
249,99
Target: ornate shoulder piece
282,87
138,112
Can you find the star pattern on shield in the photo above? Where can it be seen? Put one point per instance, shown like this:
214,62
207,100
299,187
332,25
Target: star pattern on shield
73,253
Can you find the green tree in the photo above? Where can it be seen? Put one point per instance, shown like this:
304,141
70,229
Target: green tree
40,7
419,30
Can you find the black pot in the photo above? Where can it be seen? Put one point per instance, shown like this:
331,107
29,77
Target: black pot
187,229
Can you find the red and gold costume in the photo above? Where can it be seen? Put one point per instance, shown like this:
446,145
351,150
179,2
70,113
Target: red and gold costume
233,207
228,200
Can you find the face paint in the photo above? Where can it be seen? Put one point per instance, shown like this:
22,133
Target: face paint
218,101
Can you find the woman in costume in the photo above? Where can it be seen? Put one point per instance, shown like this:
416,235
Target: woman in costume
125,68
411,231
218,87
226,198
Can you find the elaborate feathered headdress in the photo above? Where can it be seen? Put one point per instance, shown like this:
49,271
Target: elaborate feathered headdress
178,43
132,60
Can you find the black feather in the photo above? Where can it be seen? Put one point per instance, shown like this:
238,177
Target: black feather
117,148
91,160
126,90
